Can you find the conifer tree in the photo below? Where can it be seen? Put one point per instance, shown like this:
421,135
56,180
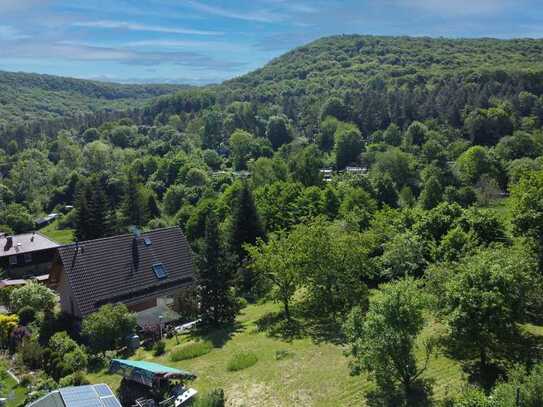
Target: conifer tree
82,213
93,215
217,303
135,210
246,226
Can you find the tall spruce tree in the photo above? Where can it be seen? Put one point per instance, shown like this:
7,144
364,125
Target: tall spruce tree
217,303
246,226
135,204
82,213
94,218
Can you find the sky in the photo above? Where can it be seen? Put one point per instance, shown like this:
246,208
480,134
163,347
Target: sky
201,41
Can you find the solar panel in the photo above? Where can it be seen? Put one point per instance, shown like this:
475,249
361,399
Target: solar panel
160,271
83,396
111,402
147,241
103,390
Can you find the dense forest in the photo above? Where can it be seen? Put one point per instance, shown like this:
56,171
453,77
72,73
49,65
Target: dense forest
32,104
432,204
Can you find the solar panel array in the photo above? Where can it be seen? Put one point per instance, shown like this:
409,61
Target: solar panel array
99,395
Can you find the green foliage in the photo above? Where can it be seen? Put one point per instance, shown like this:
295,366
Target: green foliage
217,305
241,360
383,341
26,314
108,328
159,348
17,218
190,351
214,398
277,131
347,145
485,299
34,295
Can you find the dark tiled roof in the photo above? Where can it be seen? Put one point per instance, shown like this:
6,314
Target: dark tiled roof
106,270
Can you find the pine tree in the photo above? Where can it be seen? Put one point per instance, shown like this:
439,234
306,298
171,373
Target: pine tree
135,210
216,301
82,213
93,219
246,226
100,215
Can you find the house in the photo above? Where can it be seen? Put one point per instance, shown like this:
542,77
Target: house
96,395
132,269
27,254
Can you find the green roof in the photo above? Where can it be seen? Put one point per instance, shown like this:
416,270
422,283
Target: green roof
151,367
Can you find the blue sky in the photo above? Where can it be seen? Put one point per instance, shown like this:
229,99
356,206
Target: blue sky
201,41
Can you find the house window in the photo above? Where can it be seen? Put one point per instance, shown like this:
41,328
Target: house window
160,271
28,258
12,260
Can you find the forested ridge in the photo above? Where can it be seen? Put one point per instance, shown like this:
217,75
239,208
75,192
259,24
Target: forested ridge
372,186
28,100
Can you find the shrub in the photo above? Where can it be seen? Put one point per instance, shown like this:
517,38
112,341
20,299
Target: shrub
214,398
75,379
241,361
32,295
26,315
190,351
25,380
159,348
31,354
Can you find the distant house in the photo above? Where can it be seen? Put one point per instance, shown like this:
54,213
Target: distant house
135,270
27,254
96,395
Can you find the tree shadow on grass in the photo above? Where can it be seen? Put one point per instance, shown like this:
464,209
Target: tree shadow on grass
276,325
324,330
218,336
420,395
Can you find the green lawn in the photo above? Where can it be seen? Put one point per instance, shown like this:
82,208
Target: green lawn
313,374
14,393
63,236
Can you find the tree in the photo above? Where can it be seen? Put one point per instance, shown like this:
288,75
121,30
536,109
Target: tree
348,145
335,107
7,324
277,131
108,328
305,166
135,203
278,261
383,340
212,132
432,193
384,190
93,216
405,254
244,146
217,304
393,135
485,299
246,226
17,218
416,134
33,295
325,139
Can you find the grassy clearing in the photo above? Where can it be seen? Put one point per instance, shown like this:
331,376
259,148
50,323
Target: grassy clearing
240,361
190,351
306,372
63,236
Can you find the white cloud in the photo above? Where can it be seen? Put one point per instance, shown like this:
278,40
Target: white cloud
124,25
259,16
8,33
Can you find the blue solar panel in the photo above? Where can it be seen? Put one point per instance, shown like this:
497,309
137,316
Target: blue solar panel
103,390
111,402
82,396
160,271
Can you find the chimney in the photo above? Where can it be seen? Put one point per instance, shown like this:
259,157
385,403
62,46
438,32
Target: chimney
135,253
9,243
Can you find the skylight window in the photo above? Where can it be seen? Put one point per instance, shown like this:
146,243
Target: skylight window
160,271
147,241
